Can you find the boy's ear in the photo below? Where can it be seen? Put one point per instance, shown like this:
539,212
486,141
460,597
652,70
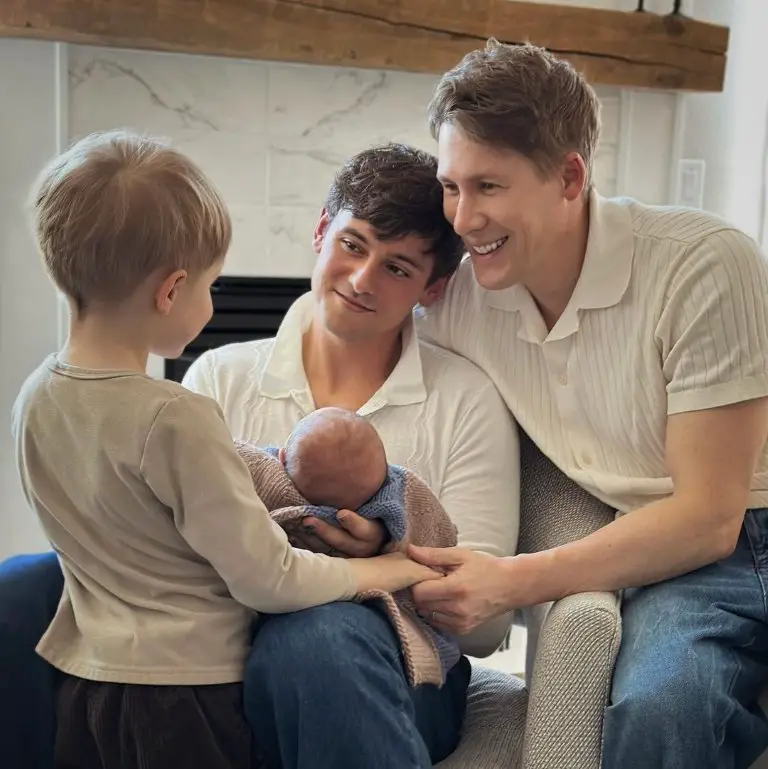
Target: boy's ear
168,290
320,229
281,455
433,292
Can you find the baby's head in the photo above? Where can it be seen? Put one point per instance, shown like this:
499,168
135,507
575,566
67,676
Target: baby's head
335,457
127,225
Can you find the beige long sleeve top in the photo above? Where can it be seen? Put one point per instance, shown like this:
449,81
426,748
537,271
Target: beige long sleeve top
165,547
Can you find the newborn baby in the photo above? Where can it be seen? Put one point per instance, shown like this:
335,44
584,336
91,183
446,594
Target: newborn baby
335,458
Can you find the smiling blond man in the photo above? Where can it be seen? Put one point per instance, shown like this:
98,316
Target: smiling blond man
631,343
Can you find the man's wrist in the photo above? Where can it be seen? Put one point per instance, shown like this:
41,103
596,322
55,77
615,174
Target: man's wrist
533,578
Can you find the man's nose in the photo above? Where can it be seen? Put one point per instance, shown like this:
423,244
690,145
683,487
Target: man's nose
362,278
467,217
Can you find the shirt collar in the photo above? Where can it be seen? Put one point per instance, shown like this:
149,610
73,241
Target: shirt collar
603,280
284,375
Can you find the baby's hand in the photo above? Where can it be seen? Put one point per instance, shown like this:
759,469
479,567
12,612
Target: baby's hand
358,537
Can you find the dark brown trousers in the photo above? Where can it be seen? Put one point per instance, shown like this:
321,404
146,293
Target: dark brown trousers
129,726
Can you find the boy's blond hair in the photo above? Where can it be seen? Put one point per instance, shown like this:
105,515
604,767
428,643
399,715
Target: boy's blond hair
523,98
118,206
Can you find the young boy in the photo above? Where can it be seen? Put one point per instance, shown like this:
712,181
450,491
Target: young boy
164,546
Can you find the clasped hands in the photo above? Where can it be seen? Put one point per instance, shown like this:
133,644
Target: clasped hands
476,587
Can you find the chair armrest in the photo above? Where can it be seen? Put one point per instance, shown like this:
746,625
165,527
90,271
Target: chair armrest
570,682
494,727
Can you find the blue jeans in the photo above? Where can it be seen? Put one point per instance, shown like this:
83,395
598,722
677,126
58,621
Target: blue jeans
325,689
693,659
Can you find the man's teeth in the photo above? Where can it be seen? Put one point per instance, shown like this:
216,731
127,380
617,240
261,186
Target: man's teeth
489,247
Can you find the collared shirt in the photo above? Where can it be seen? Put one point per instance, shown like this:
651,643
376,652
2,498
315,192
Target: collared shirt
437,414
670,314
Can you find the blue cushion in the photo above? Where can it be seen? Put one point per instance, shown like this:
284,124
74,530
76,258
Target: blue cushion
30,590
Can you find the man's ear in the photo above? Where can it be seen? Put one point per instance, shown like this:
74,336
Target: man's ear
168,290
433,291
320,229
281,455
574,176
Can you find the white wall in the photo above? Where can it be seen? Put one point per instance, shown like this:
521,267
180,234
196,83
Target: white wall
729,130
29,135
269,134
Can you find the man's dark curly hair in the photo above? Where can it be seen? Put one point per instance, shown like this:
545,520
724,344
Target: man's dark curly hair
394,188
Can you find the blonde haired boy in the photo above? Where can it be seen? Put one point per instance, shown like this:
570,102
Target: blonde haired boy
165,548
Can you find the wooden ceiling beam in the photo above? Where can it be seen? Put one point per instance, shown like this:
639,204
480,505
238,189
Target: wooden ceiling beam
620,48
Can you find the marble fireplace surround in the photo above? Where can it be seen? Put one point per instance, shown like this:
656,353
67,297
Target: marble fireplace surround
271,134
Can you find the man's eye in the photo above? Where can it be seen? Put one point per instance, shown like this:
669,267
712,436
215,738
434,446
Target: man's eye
350,245
399,271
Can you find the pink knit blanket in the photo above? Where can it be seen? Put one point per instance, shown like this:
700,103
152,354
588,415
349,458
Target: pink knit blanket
409,511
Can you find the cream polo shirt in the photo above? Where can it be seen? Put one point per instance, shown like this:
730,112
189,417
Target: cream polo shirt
670,314
437,414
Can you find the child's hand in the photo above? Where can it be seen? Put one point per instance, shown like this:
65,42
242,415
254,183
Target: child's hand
390,572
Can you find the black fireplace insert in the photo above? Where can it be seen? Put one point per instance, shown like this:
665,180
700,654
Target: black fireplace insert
244,308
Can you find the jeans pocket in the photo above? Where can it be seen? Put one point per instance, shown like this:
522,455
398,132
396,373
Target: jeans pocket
756,530
756,527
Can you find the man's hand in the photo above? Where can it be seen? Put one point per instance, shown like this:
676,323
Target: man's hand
477,587
358,537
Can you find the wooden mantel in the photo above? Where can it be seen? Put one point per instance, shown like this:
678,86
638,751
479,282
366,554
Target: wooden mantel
623,48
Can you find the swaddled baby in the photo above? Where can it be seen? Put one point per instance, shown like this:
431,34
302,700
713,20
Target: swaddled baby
335,458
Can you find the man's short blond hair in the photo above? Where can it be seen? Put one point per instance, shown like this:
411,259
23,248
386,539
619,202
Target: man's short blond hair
118,206
523,98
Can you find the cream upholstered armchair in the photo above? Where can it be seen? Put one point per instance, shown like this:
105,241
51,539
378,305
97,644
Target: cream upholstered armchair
554,719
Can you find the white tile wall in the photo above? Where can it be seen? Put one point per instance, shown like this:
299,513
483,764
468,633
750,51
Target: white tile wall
29,314
270,135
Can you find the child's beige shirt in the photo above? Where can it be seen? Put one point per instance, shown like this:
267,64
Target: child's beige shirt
165,547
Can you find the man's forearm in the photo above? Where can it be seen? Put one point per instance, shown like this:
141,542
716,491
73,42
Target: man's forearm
656,542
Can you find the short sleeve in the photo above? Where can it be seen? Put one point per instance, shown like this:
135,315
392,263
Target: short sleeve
481,484
193,468
481,492
712,330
